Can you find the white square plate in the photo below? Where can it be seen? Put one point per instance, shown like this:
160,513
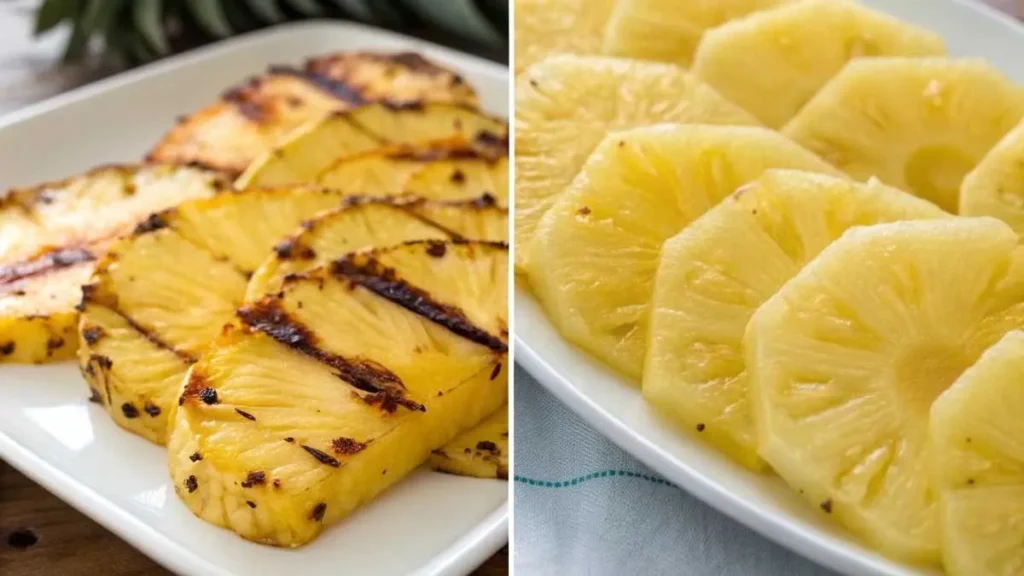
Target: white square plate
430,523
615,408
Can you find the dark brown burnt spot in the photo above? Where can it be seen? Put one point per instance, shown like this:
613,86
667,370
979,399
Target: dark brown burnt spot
94,395
496,371
321,456
93,334
191,484
347,446
700,427
416,62
245,414
584,211
336,88
318,512
486,200
436,248
152,409
152,224
53,344
240,98
103,362
491,140
195,457
292,248
488,446
208,396
404,105
55,260
257,478
827,506
250,503
129,410
7,348
458,177
289,440
277,483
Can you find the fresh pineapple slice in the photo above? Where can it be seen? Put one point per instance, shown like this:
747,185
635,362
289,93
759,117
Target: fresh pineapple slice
595,253
164,293
771,63
566,105
294,418
996,186
714,274
481,452
547,27
671,31
50,236
314,147
846,359
977,463
253,118
920,124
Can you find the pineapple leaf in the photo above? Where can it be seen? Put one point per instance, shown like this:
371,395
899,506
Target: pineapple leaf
52,13
267,10
211,17
147,16
459,16
92,17
307,7
357,9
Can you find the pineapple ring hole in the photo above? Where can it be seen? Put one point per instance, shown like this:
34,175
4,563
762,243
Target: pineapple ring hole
935,173
922,373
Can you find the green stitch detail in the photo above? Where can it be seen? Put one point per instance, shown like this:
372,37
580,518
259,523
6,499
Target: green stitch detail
591,476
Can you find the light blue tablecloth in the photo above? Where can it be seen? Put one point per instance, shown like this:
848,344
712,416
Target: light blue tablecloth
583,506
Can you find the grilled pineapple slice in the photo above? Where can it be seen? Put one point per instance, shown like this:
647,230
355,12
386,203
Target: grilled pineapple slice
846,359
451,179
996,186
294,418
479,219
771,63
668,30
314,147
253,118
50,236
164,293
566,105
482,452
595,253
547,27
714,274
977,463
920,124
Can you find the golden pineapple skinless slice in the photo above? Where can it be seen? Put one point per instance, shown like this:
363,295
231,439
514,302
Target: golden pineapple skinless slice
51,235
771,63
453,179
996,186
566,105
547,27
671,31
336,388
920,124
481,452
253,118
977,463
480,219
161,295
846,359
596,251
714,274
312,148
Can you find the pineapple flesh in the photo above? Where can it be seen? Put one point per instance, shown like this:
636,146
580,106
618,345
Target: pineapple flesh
547,27
996,186
566,105
51,236
292,419
251,119
772,63
595,253
977,461
482,452
919,124
846,359
714,274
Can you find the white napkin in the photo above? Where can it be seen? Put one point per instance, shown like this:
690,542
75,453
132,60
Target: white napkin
583,506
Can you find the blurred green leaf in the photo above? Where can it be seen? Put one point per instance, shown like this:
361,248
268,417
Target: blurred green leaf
210,16
458,16
357,9
307,7
52,13
147,15
267,10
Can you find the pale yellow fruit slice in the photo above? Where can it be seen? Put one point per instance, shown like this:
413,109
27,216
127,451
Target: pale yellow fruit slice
547,27
996,186
596,251
846,359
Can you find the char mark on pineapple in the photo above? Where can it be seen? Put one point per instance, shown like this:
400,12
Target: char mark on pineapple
413,153
44,264
155,222
383,387
90,296
337,88
292,248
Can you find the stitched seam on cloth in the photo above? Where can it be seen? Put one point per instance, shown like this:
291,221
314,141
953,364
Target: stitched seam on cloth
588,477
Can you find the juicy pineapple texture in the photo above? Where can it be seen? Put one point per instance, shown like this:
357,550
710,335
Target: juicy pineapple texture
846,359
51,235
714,274
253,118
977,463
595,253
547,27
919,124
771,63
996,186
293,419
481,452
566,105
313,148
669,30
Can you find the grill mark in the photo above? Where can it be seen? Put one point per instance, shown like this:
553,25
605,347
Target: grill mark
51,261
434,154
337,88
238,97
152,338
383,386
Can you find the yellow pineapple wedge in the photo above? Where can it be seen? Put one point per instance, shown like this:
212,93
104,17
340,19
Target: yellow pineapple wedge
452,179
919,124
714,274
996,186
671,31
566,105
547,27
771,63
977,463
51,236
480,219
312,148
481,452
846,359
293,418
595,253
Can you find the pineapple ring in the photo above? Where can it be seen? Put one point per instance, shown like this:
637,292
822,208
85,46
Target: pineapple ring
566,105
296,416
773,62
547,27
995,186
846,359
977,463
595,253
919,124
714,274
